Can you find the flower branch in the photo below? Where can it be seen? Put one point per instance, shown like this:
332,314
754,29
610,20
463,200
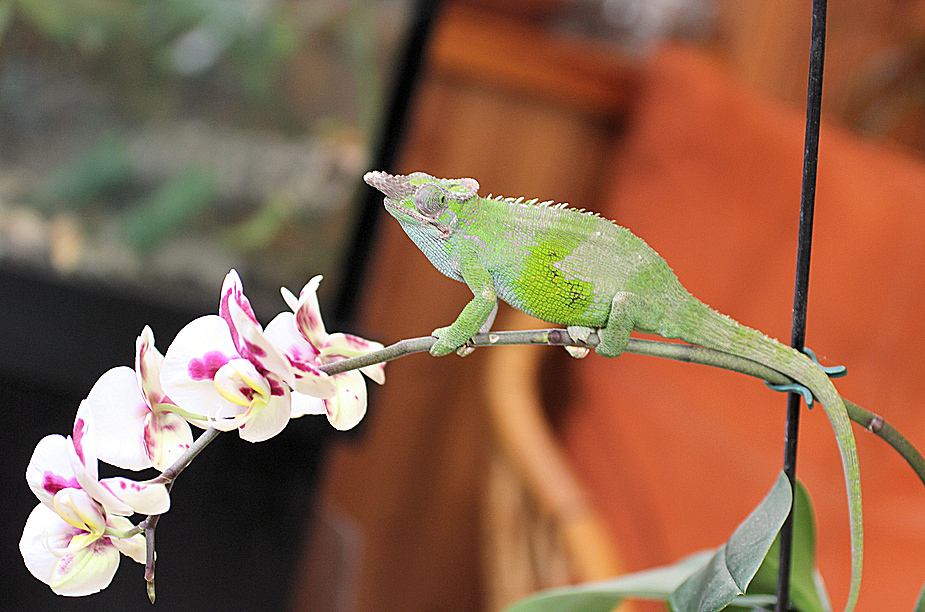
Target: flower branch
654,348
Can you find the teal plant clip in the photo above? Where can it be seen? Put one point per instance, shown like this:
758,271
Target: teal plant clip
830,371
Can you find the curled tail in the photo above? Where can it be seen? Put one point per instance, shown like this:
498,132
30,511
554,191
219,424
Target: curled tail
705,327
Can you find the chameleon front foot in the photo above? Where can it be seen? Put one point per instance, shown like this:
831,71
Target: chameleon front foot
443,347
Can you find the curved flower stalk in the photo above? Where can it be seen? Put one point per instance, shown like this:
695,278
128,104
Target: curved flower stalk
301,335
137,425
74,538
222,372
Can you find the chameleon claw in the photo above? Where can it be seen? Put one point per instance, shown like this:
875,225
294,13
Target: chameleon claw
578,352
830,371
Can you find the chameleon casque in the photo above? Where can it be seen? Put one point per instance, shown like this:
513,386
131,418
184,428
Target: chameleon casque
574,268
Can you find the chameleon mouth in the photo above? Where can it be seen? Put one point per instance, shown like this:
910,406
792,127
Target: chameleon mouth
400,212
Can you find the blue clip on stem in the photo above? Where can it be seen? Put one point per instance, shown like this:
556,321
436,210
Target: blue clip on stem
830,371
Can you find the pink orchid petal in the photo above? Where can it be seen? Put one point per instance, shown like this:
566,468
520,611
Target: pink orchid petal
167,436
50,468
148,361
302,357
303,404
233,291
253,345
119,411
348,407
308,314
84,440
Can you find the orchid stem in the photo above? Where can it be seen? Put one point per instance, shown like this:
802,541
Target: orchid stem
654,348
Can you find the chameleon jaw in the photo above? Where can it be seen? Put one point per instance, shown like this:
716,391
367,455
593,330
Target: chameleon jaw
401,211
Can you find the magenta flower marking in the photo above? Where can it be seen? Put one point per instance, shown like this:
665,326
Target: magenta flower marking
276,388
253,350
205,368
80,428
53,483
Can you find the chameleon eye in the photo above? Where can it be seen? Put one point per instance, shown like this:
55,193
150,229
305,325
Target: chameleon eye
429,200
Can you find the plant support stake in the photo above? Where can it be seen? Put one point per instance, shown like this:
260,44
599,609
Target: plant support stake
804,247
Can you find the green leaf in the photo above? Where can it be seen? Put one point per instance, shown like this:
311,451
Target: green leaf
657,584
920,604
806,594
729,572
725,572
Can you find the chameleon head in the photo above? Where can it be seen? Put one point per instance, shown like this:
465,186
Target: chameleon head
420,198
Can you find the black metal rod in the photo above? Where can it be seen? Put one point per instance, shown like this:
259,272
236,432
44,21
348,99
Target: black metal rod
801,288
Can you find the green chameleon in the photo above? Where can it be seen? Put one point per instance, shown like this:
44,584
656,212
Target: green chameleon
571,267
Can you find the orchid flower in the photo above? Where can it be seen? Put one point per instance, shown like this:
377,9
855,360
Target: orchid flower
137,425
73,539
302,336
225,368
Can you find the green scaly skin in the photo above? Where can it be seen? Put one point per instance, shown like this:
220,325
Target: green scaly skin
574,268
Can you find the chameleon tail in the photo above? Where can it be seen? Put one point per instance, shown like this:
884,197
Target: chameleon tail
719,332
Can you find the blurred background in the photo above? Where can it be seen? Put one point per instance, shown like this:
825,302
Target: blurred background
146,147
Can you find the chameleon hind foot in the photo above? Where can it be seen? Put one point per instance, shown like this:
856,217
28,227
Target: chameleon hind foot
830,371
615,335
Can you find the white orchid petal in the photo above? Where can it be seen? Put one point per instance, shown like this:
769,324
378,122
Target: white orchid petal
303,404
119,411
291,300
348,345
50,468
348,407
133,547
74,570
79,510
99,491
239,382
43,526
267,420
141,497
167,437
85,571
199,350
375,372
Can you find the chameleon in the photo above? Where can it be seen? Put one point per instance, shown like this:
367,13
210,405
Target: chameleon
571,267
